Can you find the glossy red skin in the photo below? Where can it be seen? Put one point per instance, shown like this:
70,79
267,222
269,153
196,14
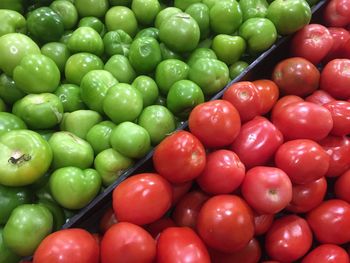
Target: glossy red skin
269,94
307,196
262,223
330,222
319,97
342,186
302,160
179,190
128,243
303,120
327,253
187,210
257,142
223,173
180,157
142,199
157,227
336,16
181,245
340,111
296,76
335,79
226,223
107,220
66,246
288,239
338,148
246,99
267,190
340,37
313,42
211,118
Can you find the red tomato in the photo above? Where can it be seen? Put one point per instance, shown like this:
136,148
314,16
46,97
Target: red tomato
211,118
181,245
342,186
179,190
303,161
288,239
262,223
66,246
226,223
330,222
340,111
97,238
303,120
319,97
223,173
157,227
108,219
180,157
307,196
327,253
336,14
142,199
257,142
269,94
335,79
187,210
284,101
267,190
127,243
296,76
340,37
313,42
246,99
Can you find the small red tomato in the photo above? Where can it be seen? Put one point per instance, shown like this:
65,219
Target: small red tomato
108,219
342,186
262,223
335,13
267,190
340,37
179,190
269,94
319,97
340,111
158,226
327,253
288,239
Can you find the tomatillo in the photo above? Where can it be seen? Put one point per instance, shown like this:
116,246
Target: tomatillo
9,122
121,17
145,10
148,89
94,23
11,22
200,13
228,48
165,14
117,42
98,136
253,8
96,8
67,11
70,97
225,17
201,52
120,68
58,52
86,39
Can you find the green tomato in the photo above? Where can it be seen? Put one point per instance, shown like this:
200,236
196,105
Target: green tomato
148,89
27,226
121,17
145,10
74,188
149,32
120,67
6,255
237,68
117,42
16,5
200,13
225,17
57,213
158,122
131,140
94,23
66,11
8,90
183,4
65,37
165,14
94,87
201,53
110,164
86,39
96,8
70,97
253,8
11,22
228,49
167,53
58,52
98,136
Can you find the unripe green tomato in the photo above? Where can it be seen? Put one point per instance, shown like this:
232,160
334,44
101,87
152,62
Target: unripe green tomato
121,17
119,66
6,255
237,68
70,96
225,17
253,8
165,14
86,39
228,49
11,22
8,90
200,13
117,42
66,11
201,53
98,136
167,53
145,10
96,8
65,37
148,32
94,23
58,52
57,213
148,89
9,122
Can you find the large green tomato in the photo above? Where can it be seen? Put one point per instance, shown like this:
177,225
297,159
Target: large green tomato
13,47
86,39
58,52
253,8
117,42
148,32
228,49
237,68
225,17
121,69
24,157
94,23
110,164
9,122
98,136
183,4
200,13
148,89
201,53
96,8
27,226
8,90
66,11
167,53
6,255
74,188
70,96
121,17
57,212
145,10
165,14
11,22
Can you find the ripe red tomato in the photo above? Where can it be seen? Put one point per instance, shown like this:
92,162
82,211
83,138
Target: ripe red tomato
158,226
181,244
342,186
337,13
262,223
296,76
257,142
127,243
179,190
319,97
267,190
313,42
340,37
327,253
211,118
66,246
269,94
226,223
142,199
288,239
330,222
340,111
180,157
107,220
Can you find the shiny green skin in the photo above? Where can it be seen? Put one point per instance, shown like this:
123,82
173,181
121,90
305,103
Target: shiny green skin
165,14
74,188
70,150
6,255
66,11
180,33
8,90
10,122
131,140
200,13
110,164
167,53
123,103
121,17
94,87
210,74
80,122
145,10
16,5
289,16
201,53
158,122
70,97
37,74
260,34
57,213
148,89
183,4
58,52
13,47
225,17
94,23
11,22
65,37
237,68
228,49
117,42
98,136
121,69
253,8
79,64
148,32
45,25
2,105
86,39
96,8
27,226
144,54
170,71
39,111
